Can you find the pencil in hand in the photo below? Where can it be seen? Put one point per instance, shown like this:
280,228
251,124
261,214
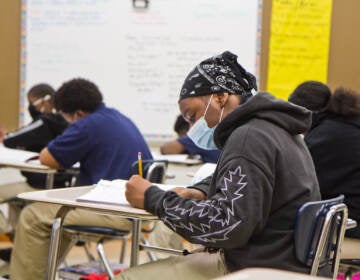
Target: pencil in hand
140,164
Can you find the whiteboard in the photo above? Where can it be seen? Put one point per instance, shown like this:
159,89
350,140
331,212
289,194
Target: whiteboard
139,58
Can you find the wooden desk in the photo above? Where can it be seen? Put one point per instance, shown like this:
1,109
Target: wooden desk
67,198
268,274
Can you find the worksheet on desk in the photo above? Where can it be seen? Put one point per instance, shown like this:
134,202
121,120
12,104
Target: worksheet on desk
112,192
15,156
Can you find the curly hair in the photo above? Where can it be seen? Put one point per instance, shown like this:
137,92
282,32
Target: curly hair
181,126
312,95
345,102
77,94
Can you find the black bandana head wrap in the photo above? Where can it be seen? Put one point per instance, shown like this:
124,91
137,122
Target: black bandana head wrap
218,74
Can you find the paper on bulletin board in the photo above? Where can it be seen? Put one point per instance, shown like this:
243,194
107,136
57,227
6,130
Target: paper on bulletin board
299,44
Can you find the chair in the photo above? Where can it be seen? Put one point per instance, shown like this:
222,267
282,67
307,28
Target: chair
350,257
319,232
154,171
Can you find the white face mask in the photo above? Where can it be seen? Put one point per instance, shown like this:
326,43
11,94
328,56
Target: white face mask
201,134
40,100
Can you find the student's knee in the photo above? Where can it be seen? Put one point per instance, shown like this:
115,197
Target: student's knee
34,216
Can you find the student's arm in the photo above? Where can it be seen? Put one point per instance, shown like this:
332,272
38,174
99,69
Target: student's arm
36,133
228,218
46,158
190,193
172,147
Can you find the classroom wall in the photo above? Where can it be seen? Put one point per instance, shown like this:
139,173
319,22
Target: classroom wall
9,63
344,66
344,62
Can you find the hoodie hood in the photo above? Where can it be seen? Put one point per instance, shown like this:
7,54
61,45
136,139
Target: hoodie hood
292,118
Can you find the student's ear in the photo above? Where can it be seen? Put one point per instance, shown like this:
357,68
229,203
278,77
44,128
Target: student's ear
222,99
80,113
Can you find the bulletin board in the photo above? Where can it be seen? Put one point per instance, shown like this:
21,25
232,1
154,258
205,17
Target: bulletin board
343,67
137,55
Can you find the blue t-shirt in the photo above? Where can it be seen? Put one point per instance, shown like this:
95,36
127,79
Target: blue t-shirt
206,155
105,142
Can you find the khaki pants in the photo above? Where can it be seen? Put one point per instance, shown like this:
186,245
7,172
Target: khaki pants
32,238
9,191
162,236
196,266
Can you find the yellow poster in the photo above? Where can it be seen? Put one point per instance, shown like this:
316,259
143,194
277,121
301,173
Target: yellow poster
299,44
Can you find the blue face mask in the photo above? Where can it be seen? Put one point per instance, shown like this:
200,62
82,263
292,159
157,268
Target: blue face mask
201,134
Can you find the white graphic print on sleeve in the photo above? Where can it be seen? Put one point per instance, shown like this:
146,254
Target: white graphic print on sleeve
212,220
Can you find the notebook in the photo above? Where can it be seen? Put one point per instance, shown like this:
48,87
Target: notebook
112,192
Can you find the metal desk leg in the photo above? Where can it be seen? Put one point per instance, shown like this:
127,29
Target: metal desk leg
134,258
55,242
50,180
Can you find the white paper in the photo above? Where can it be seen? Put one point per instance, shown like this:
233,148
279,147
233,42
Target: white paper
15,156
177,158
204,171
112,192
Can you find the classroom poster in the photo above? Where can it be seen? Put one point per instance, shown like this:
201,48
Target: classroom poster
299,44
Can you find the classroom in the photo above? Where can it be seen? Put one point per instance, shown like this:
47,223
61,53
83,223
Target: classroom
154,139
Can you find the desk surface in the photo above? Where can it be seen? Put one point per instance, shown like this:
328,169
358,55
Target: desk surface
31,167
18,159
67,197
177,158
269,274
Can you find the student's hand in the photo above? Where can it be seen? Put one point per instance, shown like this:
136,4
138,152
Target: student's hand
135,191
189,193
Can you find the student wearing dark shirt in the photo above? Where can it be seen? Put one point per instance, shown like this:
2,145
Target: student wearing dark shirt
45,126
105,143
247,212
184,145
333,141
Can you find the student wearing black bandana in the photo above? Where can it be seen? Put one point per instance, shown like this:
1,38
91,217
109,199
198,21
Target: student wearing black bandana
245,215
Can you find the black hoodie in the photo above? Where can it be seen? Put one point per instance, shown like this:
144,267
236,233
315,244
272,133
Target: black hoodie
34,137
264,174
333,142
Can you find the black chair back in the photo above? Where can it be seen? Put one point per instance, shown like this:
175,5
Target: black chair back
153,170
319,231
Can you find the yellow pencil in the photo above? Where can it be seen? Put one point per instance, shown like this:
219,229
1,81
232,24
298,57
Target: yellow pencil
140,164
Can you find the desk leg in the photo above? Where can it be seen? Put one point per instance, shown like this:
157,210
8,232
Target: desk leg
50,180
55,242
134,258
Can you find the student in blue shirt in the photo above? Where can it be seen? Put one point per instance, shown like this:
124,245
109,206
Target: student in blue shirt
105,142
184,145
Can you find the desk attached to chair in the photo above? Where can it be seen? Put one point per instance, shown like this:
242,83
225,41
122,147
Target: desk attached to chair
67,198
22,160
